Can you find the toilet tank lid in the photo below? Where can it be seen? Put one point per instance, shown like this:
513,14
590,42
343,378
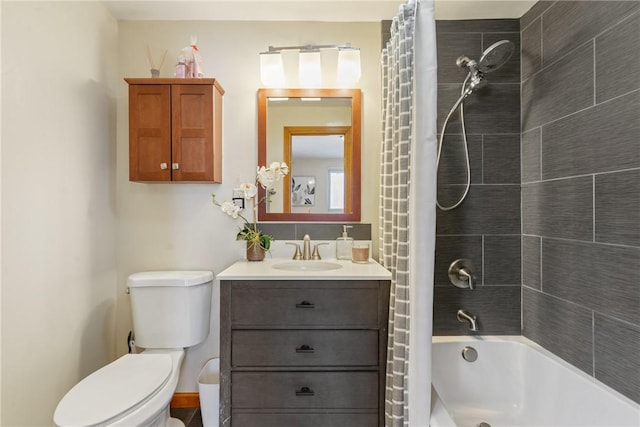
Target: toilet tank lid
169,278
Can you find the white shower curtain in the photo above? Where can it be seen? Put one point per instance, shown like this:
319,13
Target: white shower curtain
407,209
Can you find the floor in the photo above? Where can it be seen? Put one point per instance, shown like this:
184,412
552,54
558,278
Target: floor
191,417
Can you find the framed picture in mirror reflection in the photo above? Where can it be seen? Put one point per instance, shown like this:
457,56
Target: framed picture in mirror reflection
303,190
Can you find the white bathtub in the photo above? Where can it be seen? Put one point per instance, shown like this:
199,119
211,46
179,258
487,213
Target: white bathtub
515,382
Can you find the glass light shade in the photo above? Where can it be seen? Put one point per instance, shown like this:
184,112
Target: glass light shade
309,71
349,65
271,69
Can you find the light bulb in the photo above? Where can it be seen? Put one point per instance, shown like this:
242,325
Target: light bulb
348,65
309,72
271,69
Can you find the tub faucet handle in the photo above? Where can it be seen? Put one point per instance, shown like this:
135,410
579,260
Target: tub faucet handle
462,274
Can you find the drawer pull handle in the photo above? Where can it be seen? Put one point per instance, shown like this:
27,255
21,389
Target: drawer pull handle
305,304
305,349
305,391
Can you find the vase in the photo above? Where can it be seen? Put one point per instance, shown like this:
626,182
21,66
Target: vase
254,252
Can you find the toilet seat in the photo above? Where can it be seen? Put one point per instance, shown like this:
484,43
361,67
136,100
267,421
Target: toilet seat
114,390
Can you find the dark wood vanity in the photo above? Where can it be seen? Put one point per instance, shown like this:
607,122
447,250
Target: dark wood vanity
303,352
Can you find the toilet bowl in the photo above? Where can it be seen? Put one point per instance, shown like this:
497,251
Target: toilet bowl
170,312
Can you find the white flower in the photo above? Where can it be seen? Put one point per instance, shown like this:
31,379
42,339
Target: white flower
230,209
284,169
249,190
266,177
279,169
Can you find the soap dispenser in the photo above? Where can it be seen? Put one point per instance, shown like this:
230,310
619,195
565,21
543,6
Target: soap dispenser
344,244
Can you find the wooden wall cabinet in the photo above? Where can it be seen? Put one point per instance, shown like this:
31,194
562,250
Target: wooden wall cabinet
300,353
175,130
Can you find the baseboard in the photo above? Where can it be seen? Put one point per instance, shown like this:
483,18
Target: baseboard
186,400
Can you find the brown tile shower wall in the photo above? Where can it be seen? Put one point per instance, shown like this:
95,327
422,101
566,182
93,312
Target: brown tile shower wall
581,185
486,227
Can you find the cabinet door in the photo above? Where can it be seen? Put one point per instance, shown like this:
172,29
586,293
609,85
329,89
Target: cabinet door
149,133
192,122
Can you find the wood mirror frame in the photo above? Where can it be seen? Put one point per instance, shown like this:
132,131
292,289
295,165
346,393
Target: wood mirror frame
352,158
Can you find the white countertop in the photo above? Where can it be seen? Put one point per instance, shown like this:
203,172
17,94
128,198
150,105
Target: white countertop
263,270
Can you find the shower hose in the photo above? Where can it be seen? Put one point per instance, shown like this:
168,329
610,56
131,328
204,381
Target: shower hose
463,94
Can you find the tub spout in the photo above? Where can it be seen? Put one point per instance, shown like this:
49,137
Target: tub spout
463,316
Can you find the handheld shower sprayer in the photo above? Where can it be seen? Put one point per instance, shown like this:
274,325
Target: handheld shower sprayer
494,57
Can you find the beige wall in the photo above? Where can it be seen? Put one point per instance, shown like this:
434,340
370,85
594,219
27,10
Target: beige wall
173,226
58,201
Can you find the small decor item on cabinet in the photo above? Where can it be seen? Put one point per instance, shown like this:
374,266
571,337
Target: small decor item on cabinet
255,251
360,253
191,57
181,68
257,241
344,244
155,70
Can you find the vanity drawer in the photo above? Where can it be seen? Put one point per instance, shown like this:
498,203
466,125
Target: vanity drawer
304,420
304,348
300,390
305,307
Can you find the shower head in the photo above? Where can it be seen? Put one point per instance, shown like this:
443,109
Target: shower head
495,56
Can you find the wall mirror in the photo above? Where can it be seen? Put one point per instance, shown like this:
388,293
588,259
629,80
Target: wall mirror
317,133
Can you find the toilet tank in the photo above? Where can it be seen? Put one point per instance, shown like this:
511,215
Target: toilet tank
170,309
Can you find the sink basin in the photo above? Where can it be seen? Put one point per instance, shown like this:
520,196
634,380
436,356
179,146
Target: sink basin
307,266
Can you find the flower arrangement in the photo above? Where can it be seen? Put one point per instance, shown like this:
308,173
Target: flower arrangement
266,178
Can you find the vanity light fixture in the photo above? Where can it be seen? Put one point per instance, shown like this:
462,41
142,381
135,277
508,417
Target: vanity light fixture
272,71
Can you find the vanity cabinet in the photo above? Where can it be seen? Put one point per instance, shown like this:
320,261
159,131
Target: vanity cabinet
175,130
300,353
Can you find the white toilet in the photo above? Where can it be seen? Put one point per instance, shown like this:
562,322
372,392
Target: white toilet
171,311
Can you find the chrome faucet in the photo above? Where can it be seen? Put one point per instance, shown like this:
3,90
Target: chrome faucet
464,316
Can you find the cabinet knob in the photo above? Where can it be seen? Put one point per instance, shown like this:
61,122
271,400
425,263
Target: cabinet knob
175,166
305,349
163,166
305,391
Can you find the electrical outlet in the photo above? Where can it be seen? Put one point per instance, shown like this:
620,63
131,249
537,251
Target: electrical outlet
237,196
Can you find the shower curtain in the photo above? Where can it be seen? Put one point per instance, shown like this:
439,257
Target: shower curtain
407,209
